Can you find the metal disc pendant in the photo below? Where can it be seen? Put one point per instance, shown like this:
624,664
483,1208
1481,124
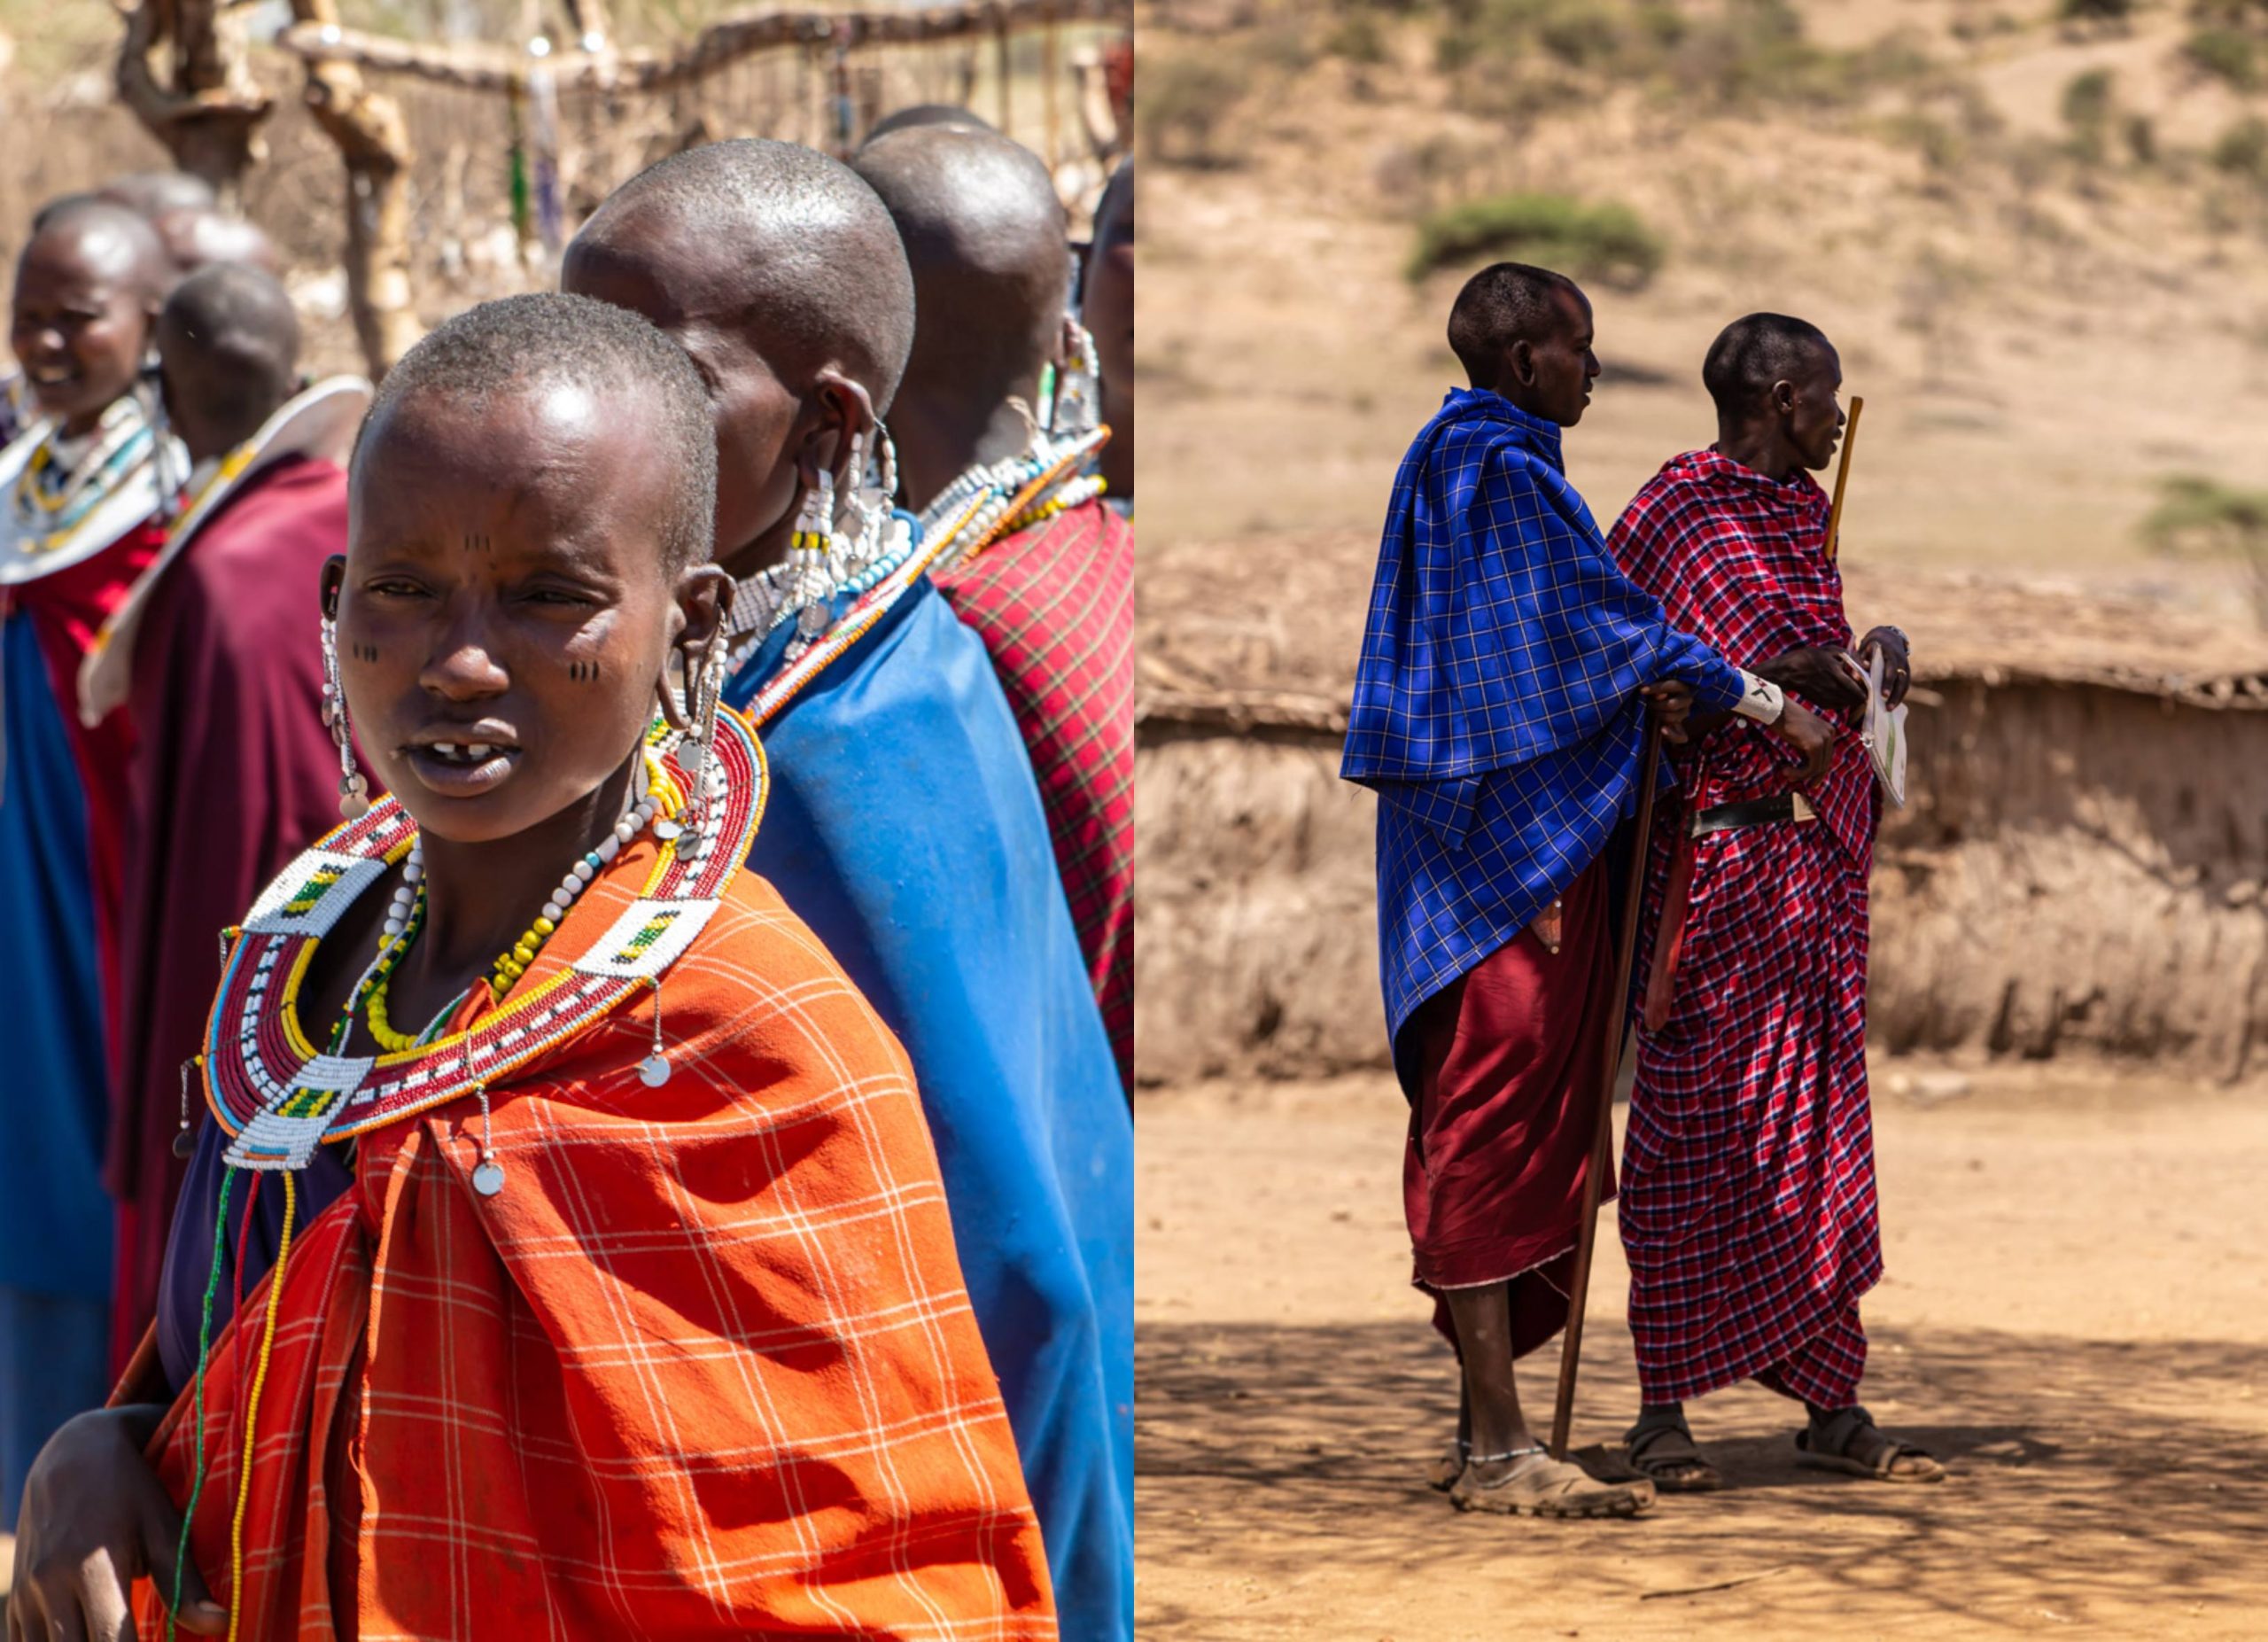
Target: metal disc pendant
666,829
488,1179
184,1142
692,756
654,1071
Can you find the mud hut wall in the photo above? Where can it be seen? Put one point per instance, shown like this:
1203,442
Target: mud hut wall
2078,871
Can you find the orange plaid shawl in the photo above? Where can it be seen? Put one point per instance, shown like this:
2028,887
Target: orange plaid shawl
705,1367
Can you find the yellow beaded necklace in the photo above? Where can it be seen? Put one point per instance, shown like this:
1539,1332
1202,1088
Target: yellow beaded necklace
662,801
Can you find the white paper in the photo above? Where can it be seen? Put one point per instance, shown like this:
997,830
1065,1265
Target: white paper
1886,736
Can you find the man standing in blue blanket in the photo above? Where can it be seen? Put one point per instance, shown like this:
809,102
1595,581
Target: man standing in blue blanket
1499,713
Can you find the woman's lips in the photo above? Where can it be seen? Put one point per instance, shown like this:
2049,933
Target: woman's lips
463,769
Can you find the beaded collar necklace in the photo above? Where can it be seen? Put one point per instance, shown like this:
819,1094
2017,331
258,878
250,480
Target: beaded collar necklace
278,1097
67,477
996,499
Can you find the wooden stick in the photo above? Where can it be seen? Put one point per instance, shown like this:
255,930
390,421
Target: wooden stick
144,1378
1843,478
1570,1350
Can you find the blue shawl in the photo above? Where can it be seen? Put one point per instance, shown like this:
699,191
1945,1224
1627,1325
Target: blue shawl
1496,709
905,827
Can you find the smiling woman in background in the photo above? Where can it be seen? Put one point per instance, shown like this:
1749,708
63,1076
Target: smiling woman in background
78,496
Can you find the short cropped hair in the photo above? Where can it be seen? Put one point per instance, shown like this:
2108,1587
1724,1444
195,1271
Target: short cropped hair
1504,303
507,347
241,323
1754,352
825,272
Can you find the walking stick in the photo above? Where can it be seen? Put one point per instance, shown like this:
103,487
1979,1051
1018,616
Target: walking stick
1843,478
1563,1413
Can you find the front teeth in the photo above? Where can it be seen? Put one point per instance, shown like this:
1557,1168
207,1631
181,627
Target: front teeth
476,751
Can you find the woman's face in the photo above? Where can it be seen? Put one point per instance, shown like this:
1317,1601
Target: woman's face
506,610
81,324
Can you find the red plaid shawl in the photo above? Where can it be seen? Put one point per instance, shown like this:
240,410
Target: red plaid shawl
1748,1184
704,1368
1054,605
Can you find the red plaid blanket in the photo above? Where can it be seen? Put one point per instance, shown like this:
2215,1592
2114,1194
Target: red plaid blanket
1054,605
1748,1186
704,1368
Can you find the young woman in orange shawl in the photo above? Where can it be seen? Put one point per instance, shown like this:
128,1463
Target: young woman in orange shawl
620,1300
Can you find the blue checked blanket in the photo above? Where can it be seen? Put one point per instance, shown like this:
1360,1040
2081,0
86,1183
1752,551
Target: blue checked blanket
1496,710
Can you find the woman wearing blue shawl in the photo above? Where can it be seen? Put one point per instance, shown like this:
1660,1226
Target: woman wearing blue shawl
905,824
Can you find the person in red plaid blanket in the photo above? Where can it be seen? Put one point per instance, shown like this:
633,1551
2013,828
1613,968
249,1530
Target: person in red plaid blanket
1036,565
1748,1186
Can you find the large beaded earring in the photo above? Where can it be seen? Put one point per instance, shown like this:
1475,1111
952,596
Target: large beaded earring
353,786
1078,407
808,551
705,689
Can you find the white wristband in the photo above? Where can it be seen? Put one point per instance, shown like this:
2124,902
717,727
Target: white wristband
1760,699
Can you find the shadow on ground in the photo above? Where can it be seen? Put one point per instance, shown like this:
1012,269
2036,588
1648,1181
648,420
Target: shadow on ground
2087,1477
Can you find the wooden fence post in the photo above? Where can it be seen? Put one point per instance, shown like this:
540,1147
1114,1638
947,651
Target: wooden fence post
373,142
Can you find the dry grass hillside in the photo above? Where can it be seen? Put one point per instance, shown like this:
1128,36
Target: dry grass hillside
2042,244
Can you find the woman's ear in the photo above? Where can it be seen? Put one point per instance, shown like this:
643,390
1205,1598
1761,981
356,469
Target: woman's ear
846,416
334,577
704,600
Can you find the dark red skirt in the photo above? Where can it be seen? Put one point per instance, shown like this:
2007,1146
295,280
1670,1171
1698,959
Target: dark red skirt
1509,1061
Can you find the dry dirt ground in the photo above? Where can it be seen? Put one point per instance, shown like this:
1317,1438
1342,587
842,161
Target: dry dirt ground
2073,1318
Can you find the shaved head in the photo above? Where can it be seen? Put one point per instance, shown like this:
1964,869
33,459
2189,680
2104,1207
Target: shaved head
229,349
108,240
779,240
985,236
1501,304
195,237
152,194
948,114
1756,351
780,274
515,348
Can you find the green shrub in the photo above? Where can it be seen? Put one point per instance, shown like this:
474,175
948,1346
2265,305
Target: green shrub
2200,517
2142,139
2231,13
1942,148
2226,54
2242,150
1183,101
2094,11
1605,242
1582,36
1358,37
2087,102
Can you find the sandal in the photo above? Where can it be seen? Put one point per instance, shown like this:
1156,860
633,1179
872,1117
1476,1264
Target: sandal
1449,1467
1828,1447
1546,1487
1662,1450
